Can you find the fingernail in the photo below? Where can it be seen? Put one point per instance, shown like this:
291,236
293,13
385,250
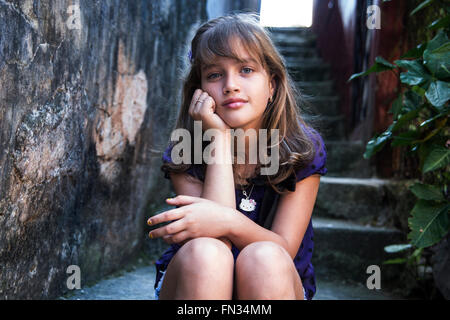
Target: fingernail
150,235
149,222
169,199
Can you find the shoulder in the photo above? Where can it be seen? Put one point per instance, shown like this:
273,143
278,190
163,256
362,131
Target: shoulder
194,170
318,163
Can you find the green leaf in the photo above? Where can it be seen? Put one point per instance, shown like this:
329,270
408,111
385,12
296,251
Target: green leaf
438,93
377,143
416,52
397,247
419,90
384,62
403,119
395,261
405,138
439,40
397,106
439,115
416,74
438,157
412,101
440,23
438,60
421,6
427,192
428,223
379,66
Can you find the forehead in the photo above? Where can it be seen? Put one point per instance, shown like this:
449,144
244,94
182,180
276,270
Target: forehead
220,61
232,50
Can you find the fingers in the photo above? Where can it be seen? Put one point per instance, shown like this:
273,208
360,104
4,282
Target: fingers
179,238
183,200
194,100
170,215
170,229
197,106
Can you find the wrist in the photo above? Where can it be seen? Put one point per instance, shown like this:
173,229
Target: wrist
221,146
230,216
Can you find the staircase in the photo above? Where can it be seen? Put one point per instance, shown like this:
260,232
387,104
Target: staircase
351,218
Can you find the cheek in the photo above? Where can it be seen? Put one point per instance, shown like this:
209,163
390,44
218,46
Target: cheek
212,91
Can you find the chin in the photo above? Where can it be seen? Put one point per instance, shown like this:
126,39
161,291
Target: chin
235,124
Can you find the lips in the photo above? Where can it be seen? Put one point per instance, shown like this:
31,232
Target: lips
234,103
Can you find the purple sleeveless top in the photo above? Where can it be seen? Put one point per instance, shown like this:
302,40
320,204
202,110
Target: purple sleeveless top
302,259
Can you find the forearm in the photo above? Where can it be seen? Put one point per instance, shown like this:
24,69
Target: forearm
218,185
242,231
219,182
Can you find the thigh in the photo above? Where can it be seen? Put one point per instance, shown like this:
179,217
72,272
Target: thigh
268,257
184,259
168,285
297,281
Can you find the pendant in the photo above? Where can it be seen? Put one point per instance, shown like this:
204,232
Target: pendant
247,204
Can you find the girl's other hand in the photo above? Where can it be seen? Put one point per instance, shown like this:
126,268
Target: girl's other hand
203,108
196,217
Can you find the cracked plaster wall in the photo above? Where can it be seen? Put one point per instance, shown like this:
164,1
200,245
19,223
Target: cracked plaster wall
88,94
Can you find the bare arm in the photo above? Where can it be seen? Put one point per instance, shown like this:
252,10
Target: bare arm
219,183
290,223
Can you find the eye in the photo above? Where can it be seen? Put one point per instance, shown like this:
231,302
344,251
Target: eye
247,70
212,76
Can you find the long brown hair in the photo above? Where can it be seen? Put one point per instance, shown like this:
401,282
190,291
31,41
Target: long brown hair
214,38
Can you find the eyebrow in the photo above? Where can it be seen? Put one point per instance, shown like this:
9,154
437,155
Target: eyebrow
246,60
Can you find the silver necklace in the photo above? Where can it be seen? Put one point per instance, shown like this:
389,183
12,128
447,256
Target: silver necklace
247,204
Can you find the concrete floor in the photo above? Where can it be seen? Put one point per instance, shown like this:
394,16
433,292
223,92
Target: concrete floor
138,285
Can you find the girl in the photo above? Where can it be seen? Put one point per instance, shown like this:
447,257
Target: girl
237,234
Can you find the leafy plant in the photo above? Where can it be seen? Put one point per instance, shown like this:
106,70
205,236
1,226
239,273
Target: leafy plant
420,123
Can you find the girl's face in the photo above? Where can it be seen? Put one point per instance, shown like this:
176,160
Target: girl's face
241,90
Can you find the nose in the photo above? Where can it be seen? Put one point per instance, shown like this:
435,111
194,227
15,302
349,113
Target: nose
231,85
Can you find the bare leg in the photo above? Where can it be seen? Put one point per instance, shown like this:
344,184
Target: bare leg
265,271
201,269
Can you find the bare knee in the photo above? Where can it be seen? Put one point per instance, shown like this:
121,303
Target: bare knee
205,253
268,256
201,269
264,270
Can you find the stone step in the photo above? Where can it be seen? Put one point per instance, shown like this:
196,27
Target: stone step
316,88
302,31
350,290
364,201
324,105
345,158
294,53
134,284
310,70
309,41
331,128
302,62
138,284
290,32
343,250
310,73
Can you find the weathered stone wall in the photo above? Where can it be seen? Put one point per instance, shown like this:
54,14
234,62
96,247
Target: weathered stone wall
88,94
